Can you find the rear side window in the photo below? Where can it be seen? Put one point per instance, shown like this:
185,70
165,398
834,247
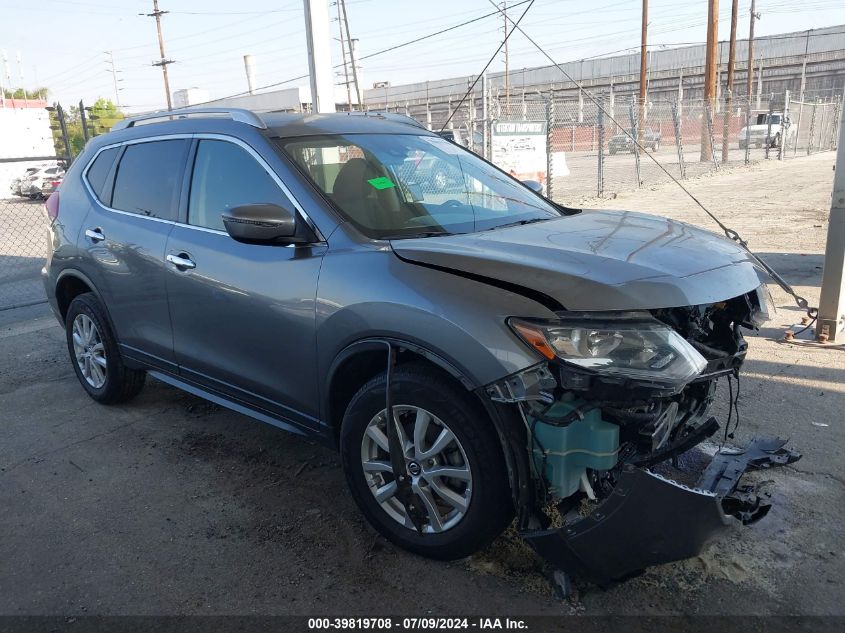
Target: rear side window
148,178
99,171
225,176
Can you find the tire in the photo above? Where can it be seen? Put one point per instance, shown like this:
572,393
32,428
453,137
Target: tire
118,383
488,509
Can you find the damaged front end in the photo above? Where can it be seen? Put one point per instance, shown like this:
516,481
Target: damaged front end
620,397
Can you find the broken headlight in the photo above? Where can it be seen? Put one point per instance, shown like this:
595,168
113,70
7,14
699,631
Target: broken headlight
629,345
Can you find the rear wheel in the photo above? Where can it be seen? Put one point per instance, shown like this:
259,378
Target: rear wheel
451,456
95,355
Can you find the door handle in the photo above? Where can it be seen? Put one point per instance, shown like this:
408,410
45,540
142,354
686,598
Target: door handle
95,235
182,261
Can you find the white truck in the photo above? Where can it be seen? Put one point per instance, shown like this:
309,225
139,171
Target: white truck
772,129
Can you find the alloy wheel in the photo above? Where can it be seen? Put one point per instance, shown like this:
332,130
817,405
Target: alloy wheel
89,350
435,462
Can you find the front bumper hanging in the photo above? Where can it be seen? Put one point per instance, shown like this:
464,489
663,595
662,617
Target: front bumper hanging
649,520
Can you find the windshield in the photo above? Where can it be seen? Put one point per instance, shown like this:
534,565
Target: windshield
405,185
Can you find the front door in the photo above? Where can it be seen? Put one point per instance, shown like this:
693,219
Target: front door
243,314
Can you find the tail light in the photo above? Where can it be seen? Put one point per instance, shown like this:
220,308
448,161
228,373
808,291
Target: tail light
52,206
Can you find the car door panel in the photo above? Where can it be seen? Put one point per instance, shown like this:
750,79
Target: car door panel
244,319
244,315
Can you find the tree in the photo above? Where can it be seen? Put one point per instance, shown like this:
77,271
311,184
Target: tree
100,118
20,93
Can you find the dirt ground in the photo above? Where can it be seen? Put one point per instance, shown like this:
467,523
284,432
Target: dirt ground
171,505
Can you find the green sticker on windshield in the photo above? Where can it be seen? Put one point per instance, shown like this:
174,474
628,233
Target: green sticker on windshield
381,183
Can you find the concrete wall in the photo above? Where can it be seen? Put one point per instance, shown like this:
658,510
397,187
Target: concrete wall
24,131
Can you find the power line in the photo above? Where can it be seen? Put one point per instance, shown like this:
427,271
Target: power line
729,233
487,65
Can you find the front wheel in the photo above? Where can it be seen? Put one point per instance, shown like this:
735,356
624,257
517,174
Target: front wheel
451,455
95,354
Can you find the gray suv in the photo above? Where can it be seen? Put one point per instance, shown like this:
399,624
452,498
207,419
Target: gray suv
538,362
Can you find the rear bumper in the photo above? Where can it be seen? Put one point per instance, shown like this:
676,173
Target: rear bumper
649,520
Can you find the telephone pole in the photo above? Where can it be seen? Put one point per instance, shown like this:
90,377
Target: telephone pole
163,61
507,60
710,77
643,73
343,54
750,75
729,97
352,59
113,72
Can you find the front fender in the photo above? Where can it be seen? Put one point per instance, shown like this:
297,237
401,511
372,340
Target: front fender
458,321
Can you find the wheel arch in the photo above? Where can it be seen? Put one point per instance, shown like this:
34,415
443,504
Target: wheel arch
70,284
360,361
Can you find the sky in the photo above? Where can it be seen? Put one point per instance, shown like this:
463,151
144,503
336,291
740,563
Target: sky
62,43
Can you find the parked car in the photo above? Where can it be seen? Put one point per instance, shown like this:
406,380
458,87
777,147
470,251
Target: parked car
473,359
771,130
51,185
35,186
623,142
16,184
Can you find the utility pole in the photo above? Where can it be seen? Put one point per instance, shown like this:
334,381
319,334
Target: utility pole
804,65
729,97
832,303
343,54
750,72
114,78
643,72
352,59
163,61
710,76
507,59
319,55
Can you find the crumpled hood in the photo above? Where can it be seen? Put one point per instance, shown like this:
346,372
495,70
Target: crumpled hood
598,260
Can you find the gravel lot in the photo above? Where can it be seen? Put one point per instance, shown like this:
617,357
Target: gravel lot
171,505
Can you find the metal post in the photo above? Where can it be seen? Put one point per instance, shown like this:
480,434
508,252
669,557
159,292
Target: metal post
634,117
710,75
319,55
798,127
60,114
747,130
679,144
812,127
760,82
785,124
832,303
708,114
600,183
83,120
769,128
485,123
550,122
730,86
643,71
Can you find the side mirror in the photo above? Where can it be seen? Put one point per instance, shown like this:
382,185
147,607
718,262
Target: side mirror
534,186
262,224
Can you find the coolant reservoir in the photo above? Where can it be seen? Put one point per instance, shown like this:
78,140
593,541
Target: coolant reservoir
570,450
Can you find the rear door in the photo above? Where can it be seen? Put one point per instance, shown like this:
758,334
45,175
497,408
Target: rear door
136,188
243,314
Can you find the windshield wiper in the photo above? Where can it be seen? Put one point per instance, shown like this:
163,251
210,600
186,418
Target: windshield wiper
519,223
403,236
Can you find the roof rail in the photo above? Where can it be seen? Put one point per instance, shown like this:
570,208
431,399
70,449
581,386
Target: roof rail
390,116
237,114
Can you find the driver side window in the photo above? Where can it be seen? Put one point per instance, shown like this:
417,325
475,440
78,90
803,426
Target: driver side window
226,175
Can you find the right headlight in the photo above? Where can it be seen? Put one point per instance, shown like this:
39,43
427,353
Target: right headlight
630,345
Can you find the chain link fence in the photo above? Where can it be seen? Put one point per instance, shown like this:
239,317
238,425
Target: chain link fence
23,236
590,148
